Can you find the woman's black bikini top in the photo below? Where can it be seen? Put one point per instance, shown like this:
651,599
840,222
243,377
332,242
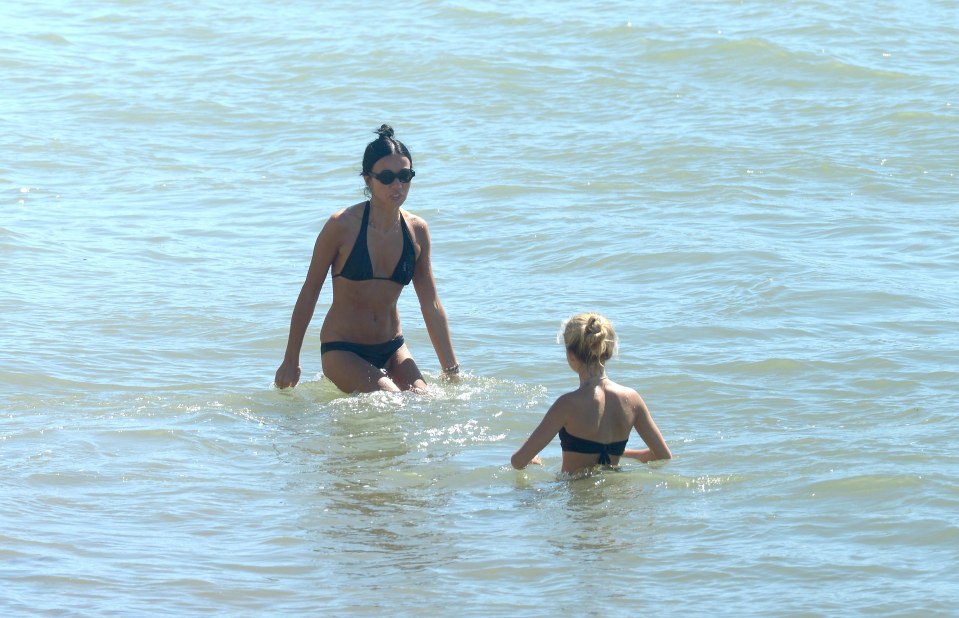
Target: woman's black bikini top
571,443
359,267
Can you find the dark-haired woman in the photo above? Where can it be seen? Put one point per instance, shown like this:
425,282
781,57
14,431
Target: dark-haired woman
373,250
593,421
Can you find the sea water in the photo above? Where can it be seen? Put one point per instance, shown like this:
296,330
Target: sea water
761,196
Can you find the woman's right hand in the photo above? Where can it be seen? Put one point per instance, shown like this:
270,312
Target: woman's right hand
287,375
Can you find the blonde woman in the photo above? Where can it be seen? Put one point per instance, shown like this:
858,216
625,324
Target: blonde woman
593,421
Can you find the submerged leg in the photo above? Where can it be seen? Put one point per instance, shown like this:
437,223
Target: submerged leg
402,369
352,374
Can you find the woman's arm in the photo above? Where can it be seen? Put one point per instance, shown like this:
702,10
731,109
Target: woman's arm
434,316
324,250
643,454
649,432
552,422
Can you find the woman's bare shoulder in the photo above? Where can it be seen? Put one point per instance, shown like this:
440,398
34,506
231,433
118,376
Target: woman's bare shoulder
634,398
626,393
347,218
564,406
419,229
573,400
415,222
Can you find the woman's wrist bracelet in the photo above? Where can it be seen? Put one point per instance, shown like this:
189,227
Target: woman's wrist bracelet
452,370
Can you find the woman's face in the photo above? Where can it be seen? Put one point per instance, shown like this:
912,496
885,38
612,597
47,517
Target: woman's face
395,192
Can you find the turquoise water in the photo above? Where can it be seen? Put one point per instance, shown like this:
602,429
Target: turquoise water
762,197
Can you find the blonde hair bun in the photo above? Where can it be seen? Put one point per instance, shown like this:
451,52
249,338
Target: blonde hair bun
590,337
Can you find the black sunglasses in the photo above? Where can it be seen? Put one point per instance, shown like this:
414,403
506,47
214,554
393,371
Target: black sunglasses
388,176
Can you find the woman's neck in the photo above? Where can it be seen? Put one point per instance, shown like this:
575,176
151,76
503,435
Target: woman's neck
383,218
592,375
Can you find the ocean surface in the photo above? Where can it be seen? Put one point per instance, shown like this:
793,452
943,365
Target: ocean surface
762,197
